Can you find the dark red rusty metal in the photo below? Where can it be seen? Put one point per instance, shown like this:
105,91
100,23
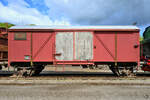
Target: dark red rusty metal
43,45
105,47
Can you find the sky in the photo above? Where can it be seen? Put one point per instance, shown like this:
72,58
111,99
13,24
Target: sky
76,12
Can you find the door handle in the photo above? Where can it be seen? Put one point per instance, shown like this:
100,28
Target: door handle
57,54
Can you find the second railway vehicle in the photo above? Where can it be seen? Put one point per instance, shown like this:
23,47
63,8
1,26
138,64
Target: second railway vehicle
145,50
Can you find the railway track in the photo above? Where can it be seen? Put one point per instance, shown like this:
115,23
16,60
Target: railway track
74,75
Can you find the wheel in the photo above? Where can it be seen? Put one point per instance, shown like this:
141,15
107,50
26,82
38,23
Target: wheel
84,66
91,67
6,65
115,70
36,70
122,71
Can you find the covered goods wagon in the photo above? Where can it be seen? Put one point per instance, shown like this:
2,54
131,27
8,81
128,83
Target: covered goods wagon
115,46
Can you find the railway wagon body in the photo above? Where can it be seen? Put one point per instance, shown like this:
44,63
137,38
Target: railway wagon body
73,45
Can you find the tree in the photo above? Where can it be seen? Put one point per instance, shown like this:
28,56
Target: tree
6,25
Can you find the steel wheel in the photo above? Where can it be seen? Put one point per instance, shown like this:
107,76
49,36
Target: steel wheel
36,70
115,70
122,71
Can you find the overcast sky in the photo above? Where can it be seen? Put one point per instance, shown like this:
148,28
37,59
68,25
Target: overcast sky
76,12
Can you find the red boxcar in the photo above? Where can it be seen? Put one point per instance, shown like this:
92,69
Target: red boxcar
74,45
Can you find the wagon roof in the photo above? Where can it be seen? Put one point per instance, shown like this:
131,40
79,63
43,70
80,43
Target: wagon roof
37,27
